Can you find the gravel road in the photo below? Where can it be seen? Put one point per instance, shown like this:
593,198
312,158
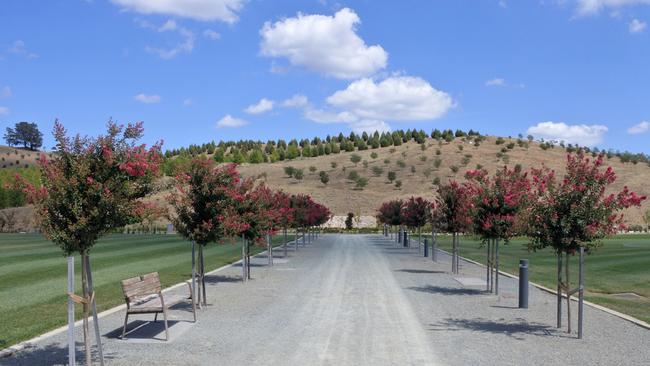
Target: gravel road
360,300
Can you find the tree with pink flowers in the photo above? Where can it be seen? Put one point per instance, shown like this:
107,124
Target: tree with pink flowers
390,213
201,204
89,187
455,209
498,204
416,213
574,214
285,214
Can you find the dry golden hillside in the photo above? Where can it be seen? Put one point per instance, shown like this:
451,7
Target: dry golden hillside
339,194
17,158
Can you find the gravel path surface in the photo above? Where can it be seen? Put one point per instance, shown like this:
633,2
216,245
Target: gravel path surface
360,300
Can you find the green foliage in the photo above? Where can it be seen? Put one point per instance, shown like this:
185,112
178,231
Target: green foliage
312,169
353,175
454,169
289,171
500,141
333,165
436,163
398,184
392,176
361,182
324,177
298,174
349,221
401,164
377,171
373,155
25,134
355,158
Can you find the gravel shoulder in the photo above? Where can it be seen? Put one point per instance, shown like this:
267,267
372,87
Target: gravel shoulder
360,300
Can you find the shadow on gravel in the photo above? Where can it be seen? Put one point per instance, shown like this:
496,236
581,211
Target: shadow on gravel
49,355
418,271
212,279
516,329
447,290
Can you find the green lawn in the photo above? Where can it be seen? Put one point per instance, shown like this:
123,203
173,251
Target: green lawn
621,265
33,274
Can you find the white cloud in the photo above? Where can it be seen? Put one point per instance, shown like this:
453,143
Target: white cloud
296,101
188,102
210,34
19,48
369,126
147,98
496,82
591,7
325,44
398,98
636,26
641,127
204,10
4,111
264,105
585,135
186,45
230,121
6,92
324,116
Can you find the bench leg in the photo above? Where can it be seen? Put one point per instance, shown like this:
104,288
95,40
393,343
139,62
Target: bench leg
155,318
166,327
126,319
194,310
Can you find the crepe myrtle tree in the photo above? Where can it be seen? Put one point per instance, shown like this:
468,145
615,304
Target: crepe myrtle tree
390,213
89,187
285,214
574,214
498,205
416,212
437,221
455,200
201,200
252,217
301,204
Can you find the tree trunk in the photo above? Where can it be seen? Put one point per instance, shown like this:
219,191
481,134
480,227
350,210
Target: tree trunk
559,290
433,246
285,242
93,305
489,267
419,240
243,259
202,269
568,295
86,309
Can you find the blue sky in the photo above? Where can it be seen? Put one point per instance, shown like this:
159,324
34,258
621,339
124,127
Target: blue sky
203,70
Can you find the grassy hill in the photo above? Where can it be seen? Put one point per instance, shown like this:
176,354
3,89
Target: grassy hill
417,165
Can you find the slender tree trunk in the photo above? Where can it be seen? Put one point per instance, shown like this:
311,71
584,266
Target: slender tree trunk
285,242
248,258
86,309
559,290
419,240
489,267
202,269
243,258
433,246
93,305
568,295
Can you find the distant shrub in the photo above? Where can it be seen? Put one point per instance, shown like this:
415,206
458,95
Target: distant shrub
333,165
500,141
510,145
436,181
361,183
377,171
355,158
392,176
373,155
423,158
386,161
437,162
289,171
398,184
312,169
298,174
454,169
413,169
401,164
324,177
438,152
353,175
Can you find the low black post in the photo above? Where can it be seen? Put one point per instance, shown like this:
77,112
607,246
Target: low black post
523,284
406,239
426,247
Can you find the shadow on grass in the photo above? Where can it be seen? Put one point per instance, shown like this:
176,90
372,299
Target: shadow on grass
417,271
517,329
51,355
447,290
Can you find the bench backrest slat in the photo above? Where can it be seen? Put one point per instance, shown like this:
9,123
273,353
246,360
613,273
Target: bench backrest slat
141,286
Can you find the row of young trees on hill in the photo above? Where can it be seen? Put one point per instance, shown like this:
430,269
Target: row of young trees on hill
566,214
249,151
92,186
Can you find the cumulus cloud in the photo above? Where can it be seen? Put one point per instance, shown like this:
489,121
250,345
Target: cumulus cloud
496,82
6,92
230,121
203,10
264,105
328,116
19,48
148,98
641,127
369,126
296,101
325,44
397,98
636,26
585,135
4,111
591,7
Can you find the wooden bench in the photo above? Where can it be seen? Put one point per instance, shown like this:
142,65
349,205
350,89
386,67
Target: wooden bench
143,295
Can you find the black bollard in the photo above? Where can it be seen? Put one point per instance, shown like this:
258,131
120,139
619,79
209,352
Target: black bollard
523,283
406,239
426,247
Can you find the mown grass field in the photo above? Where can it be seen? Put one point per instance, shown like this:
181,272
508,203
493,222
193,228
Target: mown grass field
622,265
33,275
